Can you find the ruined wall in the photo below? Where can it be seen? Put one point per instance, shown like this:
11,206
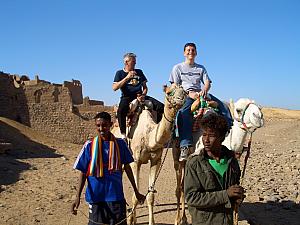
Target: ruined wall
48,108
57,120
13,102
47,93
95,102
64,121
36,81
52,111
75,88
88,102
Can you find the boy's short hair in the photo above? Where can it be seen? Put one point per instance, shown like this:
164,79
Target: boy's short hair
190,44
103,115
128,55
215,122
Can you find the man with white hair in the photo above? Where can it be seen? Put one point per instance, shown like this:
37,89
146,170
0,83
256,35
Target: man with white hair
132,83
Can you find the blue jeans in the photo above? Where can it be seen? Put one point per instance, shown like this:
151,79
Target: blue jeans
185,122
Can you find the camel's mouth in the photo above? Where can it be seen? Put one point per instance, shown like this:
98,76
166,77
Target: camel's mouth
176,97
250,116
257,120
177,103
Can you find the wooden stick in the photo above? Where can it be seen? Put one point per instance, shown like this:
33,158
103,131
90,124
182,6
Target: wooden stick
236,206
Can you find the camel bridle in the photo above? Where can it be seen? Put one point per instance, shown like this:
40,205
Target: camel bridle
244,125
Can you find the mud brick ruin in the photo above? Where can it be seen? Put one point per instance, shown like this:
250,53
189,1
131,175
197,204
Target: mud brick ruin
57,110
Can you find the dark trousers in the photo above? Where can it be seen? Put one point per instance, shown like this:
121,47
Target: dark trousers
124,108
107,213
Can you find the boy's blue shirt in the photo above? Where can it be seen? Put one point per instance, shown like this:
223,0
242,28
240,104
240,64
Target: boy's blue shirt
109,187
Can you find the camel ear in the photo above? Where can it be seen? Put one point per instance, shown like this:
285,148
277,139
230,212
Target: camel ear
231,105
165,88
239,111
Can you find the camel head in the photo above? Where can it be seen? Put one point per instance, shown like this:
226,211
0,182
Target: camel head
175,96
248,113
174,99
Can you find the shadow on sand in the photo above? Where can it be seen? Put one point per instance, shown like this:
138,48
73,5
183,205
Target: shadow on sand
275,213
259,213
11,164
169,208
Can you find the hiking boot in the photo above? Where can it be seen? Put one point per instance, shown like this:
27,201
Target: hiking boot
184,153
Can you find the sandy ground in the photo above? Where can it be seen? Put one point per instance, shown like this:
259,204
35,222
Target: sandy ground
38,185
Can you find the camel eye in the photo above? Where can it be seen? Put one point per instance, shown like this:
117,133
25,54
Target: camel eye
239,111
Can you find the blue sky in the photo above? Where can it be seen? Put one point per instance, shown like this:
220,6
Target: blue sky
250,48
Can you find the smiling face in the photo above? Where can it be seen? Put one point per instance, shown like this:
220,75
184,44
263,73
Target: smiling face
130,63
190,52
103,127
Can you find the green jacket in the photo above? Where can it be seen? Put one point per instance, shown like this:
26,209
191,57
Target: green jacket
206,197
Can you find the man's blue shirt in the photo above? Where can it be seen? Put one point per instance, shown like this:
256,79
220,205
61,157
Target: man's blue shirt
134,85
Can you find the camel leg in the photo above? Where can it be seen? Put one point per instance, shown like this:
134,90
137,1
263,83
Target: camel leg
155,164
136,173
178,172
183,220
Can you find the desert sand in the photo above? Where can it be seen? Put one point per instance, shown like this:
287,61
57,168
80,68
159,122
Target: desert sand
38,184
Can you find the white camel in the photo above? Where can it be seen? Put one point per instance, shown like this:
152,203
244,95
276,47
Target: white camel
148,141
247,117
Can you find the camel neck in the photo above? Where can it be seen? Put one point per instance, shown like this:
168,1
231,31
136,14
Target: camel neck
164,128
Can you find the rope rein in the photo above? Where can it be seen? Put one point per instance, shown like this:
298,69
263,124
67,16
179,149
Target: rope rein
247,156
169,120
236,206
250,132
160,167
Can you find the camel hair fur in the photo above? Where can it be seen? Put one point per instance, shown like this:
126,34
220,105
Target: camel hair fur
147,140
247,117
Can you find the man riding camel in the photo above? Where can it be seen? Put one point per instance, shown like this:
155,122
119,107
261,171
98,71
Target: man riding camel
192,76
132,83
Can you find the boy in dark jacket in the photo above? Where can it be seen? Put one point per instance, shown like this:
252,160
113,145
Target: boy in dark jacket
212,178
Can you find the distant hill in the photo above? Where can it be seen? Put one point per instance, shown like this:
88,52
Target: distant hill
281,113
